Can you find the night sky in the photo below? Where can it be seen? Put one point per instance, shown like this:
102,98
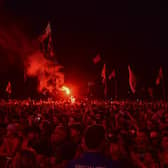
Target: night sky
124,32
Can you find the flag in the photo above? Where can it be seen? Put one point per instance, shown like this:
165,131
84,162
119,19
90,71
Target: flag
132,80
9,88
46,33
48,29
97,59
103,74
160,76
50,50
112,75
46,41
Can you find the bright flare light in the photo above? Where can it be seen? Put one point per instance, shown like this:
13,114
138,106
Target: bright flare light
66,90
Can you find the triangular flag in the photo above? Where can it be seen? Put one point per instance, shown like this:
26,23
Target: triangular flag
103,74
9,88
112,75
132,80
48,29
47,44
97,59
46,33
160,76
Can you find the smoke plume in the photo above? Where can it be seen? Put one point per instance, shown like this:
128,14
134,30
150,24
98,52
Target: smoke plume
14,45
49,74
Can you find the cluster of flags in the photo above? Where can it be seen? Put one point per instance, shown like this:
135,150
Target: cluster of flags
98,59
133,79
132,76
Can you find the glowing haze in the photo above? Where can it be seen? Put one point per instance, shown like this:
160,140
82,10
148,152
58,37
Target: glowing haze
48,73
15,43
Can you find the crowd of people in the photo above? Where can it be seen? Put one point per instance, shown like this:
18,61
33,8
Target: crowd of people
51,134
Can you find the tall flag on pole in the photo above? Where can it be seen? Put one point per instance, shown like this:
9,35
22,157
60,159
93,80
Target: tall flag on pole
46,40
132,80
104,81
9,88
159,77
97,59
112,75
48,29
103,74
46,33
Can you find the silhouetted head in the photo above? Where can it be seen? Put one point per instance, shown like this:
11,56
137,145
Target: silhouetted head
94,137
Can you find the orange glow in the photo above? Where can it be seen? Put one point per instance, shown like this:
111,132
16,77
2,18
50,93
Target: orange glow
66,90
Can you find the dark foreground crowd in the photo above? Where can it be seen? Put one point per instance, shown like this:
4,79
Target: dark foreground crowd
83,134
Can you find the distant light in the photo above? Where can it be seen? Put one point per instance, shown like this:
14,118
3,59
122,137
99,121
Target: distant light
66,90
72,99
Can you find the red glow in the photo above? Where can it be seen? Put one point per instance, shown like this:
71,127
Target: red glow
49,76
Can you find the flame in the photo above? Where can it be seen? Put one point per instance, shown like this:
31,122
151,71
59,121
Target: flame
66,90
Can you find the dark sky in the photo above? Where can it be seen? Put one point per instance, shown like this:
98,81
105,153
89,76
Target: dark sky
124,32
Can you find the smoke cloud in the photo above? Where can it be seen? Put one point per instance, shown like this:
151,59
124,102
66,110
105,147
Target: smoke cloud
49,74
14,45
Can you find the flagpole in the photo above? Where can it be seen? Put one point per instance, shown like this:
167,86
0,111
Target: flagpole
105,89
105,82
163,89
116,89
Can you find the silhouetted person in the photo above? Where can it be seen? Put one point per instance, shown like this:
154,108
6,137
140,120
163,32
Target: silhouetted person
93,145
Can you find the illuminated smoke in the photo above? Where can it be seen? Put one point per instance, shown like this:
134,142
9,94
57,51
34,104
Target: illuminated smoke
48,73
14,43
